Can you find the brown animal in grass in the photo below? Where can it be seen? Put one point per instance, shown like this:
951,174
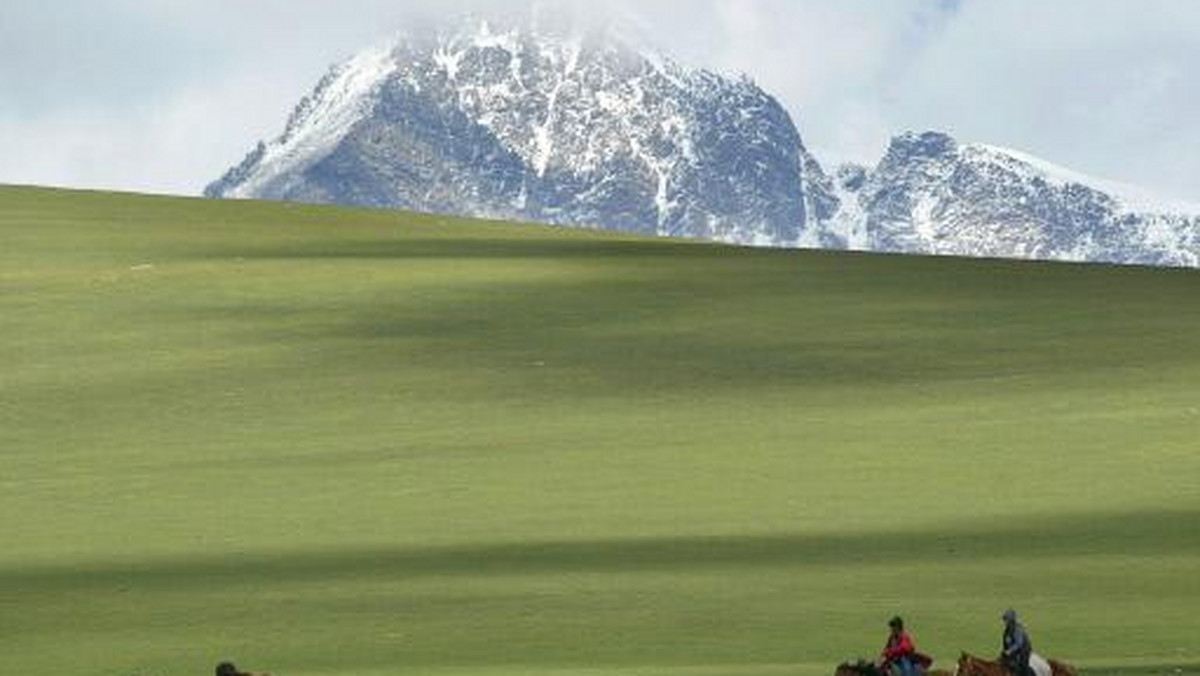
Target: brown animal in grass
1060,668
970,665
228,669
865,668
859,668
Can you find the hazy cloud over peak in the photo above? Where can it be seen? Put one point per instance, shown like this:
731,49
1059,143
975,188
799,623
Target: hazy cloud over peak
147,95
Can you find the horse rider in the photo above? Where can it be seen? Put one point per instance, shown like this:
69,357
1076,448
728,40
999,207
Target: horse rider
901,653
1016,646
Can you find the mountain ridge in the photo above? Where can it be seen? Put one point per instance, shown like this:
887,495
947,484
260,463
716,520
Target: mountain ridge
578,130
585,129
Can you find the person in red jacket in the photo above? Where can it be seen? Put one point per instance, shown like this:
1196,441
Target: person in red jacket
900,654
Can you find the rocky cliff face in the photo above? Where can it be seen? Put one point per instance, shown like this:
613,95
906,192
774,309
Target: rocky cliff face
517,124
586,130
932,195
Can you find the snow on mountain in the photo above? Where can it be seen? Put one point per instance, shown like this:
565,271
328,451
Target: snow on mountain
848,225
1133,198
586,129
932,195
322,120
566,128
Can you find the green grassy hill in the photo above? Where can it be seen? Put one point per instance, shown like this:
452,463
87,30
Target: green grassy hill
325,441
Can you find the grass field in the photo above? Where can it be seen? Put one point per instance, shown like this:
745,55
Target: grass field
323,441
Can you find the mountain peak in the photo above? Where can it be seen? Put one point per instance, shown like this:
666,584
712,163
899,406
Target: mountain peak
930,194
571,123
534,121
927,144
1131,197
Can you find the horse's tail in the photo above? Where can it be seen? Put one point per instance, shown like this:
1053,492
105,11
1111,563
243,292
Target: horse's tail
1060,668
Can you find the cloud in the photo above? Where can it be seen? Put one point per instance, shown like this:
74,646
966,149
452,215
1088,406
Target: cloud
828,61
160,97
1104,86
147,95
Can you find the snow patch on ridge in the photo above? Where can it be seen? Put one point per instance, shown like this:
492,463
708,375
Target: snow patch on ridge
543,133
1133,198
343,100
849,223
924,218
449,61
509,41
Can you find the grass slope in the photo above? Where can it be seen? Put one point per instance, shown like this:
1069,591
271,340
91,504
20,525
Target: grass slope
328,441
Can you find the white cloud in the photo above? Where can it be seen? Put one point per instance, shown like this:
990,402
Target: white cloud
168,144
828,61
146,95
1104,86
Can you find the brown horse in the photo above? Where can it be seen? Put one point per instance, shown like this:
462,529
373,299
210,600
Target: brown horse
229,669
970,665
859,668
1060,668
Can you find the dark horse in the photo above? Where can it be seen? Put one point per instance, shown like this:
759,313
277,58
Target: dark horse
859,668
970,665
229,669
865,668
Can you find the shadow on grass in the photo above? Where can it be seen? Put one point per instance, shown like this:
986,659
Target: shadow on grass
1145,670
650,315
458,246
1136,533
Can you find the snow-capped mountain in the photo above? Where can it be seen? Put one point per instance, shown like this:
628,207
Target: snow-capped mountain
579,129
584,129
932,195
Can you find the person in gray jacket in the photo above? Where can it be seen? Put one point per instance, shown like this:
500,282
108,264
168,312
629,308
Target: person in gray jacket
1016,646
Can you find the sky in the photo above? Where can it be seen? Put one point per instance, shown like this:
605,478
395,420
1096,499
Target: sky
165,95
